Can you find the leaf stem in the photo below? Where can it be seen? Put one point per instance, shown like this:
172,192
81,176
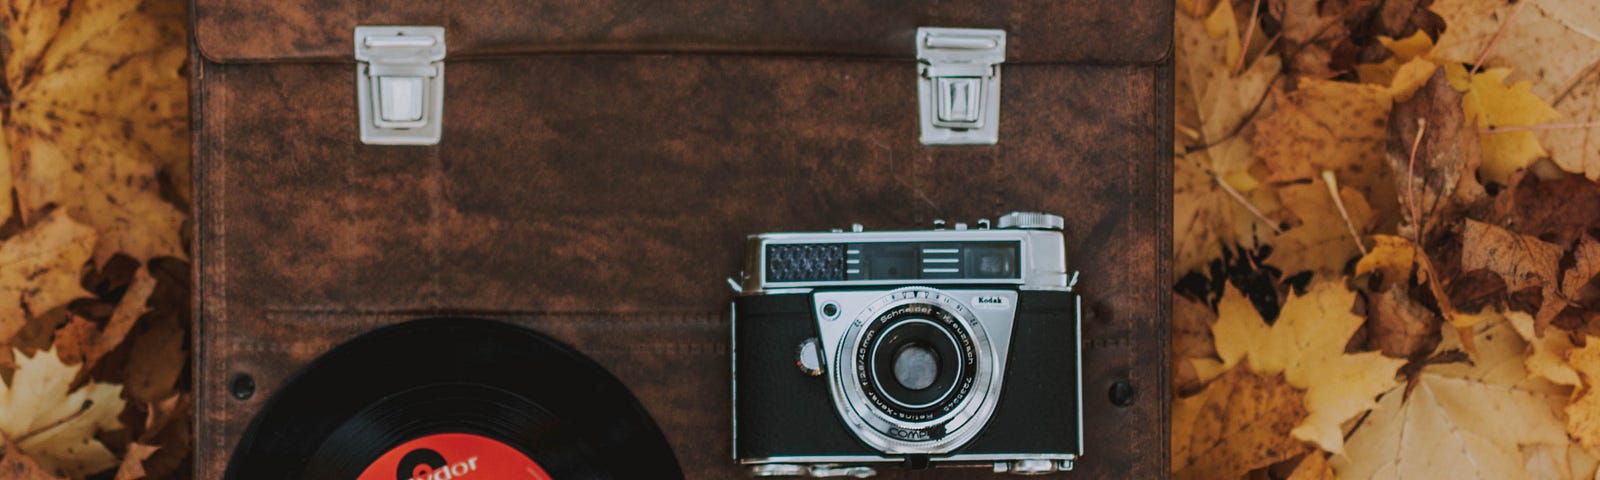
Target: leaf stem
1244,48
1242,201
1333,190
1547,126
1411,198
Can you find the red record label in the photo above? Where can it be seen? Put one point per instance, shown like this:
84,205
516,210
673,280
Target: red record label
453,456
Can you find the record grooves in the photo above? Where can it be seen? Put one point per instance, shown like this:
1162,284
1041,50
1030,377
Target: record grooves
499,393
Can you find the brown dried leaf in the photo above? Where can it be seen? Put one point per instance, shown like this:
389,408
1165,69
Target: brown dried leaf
16,465
1524,262
1442,180
157,357
1240,422
39,270
1401,327
1585,266
133,462
1559,210
128,311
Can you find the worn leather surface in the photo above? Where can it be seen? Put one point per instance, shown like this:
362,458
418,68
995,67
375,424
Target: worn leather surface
604,199
1123,31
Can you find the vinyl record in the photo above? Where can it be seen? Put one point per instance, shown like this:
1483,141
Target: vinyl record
453,399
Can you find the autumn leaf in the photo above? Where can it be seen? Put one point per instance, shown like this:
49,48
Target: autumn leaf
1240,422
1401,327
39,270
1547,356
1320,240
133,462
54,426
1523,261
1403,51
1491,104
1307,346
17,466
1577,149
1326,125
1549,42
1436,156
1394,257
1583,415
1191,339
99,105
1314,467
1460,421
1560,462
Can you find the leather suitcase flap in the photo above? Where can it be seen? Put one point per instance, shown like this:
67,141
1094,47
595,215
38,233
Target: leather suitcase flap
1040,31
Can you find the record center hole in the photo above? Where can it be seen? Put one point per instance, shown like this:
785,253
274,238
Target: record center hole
916,366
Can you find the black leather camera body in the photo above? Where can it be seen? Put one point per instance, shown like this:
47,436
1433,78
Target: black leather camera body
953,346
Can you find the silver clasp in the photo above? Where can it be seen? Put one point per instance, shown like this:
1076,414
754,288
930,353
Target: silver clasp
400,84
958,84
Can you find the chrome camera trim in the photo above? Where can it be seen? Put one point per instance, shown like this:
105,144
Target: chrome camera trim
989,328
1042,258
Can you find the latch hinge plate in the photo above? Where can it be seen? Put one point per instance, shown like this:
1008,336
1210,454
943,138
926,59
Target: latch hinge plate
958,84
400,84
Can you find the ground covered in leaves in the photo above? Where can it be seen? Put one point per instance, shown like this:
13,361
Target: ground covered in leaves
1387,236
94,276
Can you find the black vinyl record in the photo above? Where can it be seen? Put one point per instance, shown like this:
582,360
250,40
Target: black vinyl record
418,399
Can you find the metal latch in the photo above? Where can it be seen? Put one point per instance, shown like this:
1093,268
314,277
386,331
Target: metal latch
400,84
958,84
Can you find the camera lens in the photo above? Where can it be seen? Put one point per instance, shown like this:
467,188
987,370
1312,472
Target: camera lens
916,366
916,362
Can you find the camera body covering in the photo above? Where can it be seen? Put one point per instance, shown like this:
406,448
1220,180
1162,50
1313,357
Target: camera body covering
854,350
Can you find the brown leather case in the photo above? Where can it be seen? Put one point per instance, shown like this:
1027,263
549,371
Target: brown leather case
603,161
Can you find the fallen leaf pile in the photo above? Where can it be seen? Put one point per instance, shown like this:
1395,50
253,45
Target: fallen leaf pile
94,279
1387,239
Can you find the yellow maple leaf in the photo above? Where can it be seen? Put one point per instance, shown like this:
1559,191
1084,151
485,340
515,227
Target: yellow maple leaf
1326,125
99,104
56,427
1307,346
1489,104
1460,421
1404,51
1320,240
1394,256
40,270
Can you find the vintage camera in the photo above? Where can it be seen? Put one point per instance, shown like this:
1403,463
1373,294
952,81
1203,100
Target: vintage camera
953,346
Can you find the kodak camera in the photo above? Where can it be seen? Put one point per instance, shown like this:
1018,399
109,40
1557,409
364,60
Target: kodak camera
955,346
